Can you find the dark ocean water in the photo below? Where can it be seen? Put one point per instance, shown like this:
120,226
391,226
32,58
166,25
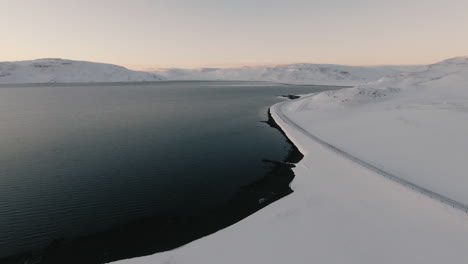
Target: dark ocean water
85,167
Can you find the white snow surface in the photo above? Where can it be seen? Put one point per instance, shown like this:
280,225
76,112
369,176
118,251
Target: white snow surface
68,71
415,126
320,74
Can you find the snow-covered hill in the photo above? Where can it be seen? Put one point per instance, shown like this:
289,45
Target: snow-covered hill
323,74
436,82
68,71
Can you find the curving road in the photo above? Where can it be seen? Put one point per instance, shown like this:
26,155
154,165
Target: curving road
278,110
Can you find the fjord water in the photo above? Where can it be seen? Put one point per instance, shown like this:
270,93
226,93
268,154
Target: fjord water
81,159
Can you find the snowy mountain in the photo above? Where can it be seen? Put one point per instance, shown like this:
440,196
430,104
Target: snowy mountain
68,71
323,74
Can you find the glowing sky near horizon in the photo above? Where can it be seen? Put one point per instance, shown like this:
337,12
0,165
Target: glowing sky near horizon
221,33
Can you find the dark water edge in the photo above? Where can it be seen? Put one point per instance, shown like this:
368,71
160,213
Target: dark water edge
166,232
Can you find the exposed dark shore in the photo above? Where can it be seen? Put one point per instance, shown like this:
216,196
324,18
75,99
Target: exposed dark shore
291,96
165,232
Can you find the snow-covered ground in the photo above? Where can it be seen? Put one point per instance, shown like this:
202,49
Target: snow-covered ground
68,71
411,125
323,74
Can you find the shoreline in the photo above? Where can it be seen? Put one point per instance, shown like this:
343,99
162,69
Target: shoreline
339,212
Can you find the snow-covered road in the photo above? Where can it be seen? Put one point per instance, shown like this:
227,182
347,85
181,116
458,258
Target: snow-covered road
278,111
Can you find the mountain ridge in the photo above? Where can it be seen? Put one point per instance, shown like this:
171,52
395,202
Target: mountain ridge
54,70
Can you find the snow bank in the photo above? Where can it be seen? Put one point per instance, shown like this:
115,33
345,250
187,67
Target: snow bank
324,74
342,212
68,71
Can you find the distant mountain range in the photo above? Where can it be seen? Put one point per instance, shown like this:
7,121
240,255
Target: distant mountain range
322,74
68,71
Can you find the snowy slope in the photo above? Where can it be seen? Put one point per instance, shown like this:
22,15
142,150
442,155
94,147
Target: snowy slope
325,74
413,125
68,71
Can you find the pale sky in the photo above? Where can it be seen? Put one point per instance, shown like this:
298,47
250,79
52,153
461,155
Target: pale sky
222,33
